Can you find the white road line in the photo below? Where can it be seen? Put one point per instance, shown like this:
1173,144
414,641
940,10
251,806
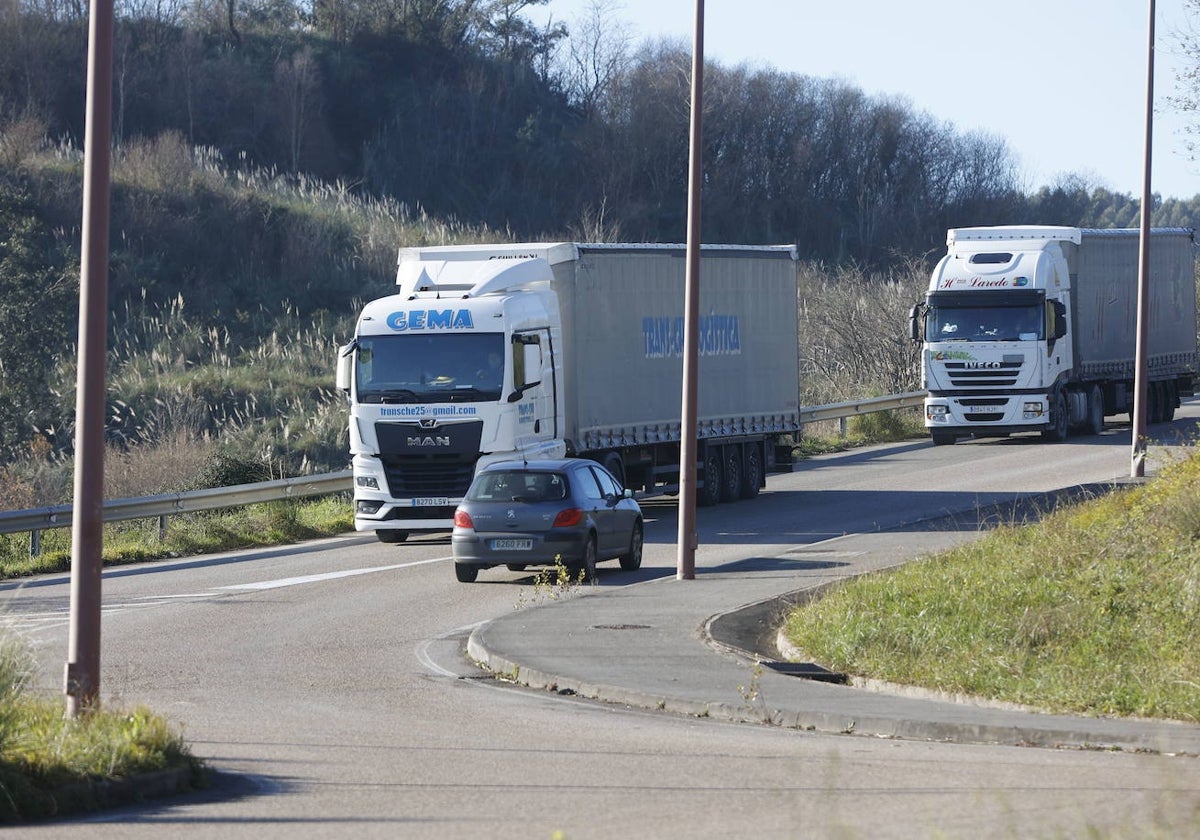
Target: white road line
296,581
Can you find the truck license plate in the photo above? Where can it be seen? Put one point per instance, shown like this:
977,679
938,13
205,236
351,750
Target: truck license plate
432,501
512,545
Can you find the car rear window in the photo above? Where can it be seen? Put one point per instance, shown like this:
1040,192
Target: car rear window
520,486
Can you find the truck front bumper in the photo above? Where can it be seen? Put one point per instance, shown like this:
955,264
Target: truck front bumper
984,414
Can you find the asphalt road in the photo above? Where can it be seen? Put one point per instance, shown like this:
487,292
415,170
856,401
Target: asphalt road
325,684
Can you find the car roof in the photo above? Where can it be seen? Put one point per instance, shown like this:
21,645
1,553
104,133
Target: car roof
538,465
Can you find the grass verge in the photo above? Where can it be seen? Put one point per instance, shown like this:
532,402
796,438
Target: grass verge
1094,610
51,766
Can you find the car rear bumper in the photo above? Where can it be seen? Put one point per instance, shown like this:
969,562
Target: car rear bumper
476,549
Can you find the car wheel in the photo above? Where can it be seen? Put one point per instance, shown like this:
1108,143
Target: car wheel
752,474
585,569
731,484
466,573
710,494
391,535
633,559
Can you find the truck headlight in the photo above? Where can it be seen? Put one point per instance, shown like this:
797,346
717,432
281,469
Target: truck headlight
1034,410
937,412
368,481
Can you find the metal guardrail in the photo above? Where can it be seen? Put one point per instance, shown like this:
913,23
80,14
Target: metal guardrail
193,501
148,507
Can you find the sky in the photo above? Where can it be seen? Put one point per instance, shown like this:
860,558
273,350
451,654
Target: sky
1062,81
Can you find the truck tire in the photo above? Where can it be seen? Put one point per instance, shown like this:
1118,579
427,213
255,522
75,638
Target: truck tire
614,464
710,494
731,474
1154,403
1170,401
1094,424
391,535
942,437
752,472
1057,431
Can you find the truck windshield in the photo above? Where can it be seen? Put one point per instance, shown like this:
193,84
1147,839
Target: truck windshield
440,367
985,323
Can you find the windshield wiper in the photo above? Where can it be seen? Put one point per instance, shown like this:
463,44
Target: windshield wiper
393,395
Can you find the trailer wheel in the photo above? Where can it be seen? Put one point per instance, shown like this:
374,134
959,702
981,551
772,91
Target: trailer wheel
614,464
731,486
1094,424
1154,403
1058,416
752,474
1170,401
710,494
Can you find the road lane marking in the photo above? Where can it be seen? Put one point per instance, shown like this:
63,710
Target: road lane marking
297,581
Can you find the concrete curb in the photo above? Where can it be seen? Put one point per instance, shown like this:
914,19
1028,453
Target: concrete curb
1052,731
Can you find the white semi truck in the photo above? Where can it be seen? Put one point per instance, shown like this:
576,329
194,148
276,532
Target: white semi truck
489,352
1034,328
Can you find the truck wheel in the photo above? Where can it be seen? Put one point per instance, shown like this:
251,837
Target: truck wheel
710,494
731,486
391,535
942,437
1094,424
752,474
1170,401
614,464
1057,432
1154,403
465,572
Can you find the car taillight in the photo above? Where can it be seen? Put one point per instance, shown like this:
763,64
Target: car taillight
568,518
463,520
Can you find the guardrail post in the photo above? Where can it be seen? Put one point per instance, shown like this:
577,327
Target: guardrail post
842,428
35,543
162,527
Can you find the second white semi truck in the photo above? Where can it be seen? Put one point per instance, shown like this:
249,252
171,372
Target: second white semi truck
489,352
1034,328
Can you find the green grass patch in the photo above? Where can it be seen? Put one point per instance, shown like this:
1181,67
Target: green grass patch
51,765
1094,610
270,523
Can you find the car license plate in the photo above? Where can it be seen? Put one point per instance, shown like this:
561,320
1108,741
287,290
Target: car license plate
512,545
432,501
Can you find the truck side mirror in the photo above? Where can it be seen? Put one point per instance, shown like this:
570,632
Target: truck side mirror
1060,319
345,364
914,322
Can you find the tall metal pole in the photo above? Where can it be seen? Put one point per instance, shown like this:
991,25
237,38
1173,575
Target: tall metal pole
686,561
1137,467
82,677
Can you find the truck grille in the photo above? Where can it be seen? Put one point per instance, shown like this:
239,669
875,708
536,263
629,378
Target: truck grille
1005,374
415,476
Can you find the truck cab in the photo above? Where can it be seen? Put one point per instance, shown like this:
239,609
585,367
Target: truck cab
994,323
455,371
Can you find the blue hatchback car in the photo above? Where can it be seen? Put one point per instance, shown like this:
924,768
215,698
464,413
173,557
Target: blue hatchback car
539,513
